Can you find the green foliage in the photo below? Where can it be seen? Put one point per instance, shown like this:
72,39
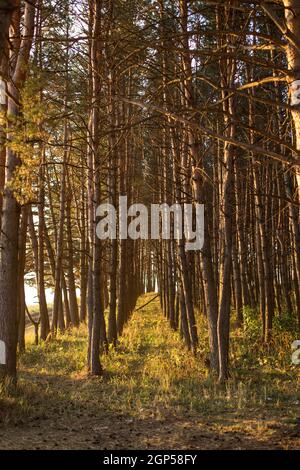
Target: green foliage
285,322
27,135
252,324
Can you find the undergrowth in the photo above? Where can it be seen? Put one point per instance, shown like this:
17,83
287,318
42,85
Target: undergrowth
152,373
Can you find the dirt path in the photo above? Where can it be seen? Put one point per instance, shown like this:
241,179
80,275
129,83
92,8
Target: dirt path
143,401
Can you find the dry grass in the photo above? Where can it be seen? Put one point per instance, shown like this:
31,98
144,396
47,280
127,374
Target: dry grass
154,387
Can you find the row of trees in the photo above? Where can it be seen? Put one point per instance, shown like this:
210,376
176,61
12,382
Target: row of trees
163,102
239,159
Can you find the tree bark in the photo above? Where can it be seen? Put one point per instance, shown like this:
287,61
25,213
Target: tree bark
11,211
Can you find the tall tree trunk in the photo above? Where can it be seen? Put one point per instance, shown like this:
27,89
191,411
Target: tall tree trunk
112,184
74,314
60,240
11,211
292,18
7,9
98,316
21,272
44,315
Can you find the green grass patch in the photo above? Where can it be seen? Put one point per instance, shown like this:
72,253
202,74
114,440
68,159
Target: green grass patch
151,373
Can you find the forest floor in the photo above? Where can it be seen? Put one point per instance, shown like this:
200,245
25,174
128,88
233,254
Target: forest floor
154,395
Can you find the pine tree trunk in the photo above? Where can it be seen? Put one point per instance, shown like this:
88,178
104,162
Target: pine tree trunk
11,211
292,18
21,272
98,317
74,314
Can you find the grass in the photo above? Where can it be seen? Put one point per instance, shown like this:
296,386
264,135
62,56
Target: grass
151,376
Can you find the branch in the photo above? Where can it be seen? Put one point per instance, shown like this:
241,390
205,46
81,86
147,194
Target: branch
261,82
193,125
281,25
36,323
137,309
